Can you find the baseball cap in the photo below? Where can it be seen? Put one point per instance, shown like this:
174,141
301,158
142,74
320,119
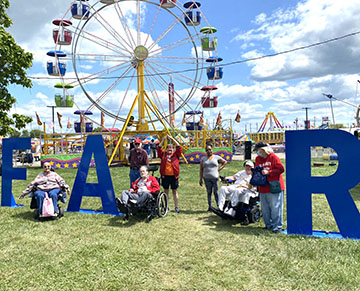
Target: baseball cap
260,145
249,163
138,140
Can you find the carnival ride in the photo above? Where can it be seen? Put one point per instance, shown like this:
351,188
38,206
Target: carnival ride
127,55
275,133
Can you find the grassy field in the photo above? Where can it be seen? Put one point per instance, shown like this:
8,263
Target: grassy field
192,250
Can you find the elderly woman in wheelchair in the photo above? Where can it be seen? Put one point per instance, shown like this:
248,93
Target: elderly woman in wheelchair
143,197
47,185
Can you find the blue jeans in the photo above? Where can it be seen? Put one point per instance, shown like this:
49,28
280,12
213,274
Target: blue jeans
134,175
211,185
40,195
272,209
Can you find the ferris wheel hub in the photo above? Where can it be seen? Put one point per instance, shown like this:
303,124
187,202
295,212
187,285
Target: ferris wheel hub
141,53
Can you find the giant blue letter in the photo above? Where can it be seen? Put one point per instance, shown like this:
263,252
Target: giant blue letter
104,189
301,185
8,172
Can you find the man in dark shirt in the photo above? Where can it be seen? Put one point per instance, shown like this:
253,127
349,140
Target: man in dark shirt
138,157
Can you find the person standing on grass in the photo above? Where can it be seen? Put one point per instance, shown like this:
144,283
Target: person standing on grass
137,158
271,201
170,168
209,172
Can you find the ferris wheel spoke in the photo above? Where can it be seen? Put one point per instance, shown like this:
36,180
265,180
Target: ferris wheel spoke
178,76
100,41
122,102
154,91
98,75
112,31
124,24
167,30
171,46
162,83
100,57
138,8
111,87
152,25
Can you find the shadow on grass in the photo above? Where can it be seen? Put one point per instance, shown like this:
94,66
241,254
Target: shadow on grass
192,211
118,221
220,224
29,215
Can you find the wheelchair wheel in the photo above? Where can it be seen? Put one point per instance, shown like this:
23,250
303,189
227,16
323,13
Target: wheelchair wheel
254,214
60,211
36,214
161,204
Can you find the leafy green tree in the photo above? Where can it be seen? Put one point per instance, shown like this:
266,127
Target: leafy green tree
14,133
25,133
35,133
13,64
97,129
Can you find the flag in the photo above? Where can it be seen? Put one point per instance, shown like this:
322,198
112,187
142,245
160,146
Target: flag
69,123
238,117
202,119
102,122
51,125
59,119
183,120
38,119
218,119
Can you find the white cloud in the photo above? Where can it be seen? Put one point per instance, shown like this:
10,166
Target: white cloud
310,22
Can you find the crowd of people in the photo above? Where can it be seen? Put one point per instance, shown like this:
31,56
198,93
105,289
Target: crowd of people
143,186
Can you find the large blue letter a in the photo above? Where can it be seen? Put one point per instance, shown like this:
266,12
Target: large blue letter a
104,188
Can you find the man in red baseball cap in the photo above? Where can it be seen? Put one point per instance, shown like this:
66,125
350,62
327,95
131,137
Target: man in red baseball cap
138,157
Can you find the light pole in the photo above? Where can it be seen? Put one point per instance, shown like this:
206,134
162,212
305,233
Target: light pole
307,121
53,116
332,110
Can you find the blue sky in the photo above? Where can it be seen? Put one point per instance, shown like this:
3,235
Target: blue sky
284,84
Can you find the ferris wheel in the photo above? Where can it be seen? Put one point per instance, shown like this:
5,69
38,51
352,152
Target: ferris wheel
136,57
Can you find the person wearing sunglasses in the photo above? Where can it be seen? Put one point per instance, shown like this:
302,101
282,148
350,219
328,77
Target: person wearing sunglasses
47,181
138,157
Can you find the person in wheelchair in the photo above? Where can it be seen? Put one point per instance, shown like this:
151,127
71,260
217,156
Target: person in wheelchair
141,191
240,191
47,181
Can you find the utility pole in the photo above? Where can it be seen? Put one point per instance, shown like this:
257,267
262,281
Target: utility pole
307,121
53,116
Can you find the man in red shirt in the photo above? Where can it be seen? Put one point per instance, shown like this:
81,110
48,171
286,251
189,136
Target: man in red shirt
169,168
138,157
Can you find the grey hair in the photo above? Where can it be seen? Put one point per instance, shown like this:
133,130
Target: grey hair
268,150
144,167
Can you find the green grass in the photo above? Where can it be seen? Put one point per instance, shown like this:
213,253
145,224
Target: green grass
192,250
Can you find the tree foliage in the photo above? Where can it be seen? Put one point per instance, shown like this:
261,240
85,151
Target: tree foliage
35,133
13,64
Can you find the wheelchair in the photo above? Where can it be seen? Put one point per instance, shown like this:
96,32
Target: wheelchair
157,205
245,213
62,196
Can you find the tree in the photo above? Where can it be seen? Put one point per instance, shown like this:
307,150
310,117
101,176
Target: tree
35,133
25,133
97,129
13,64
14,133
